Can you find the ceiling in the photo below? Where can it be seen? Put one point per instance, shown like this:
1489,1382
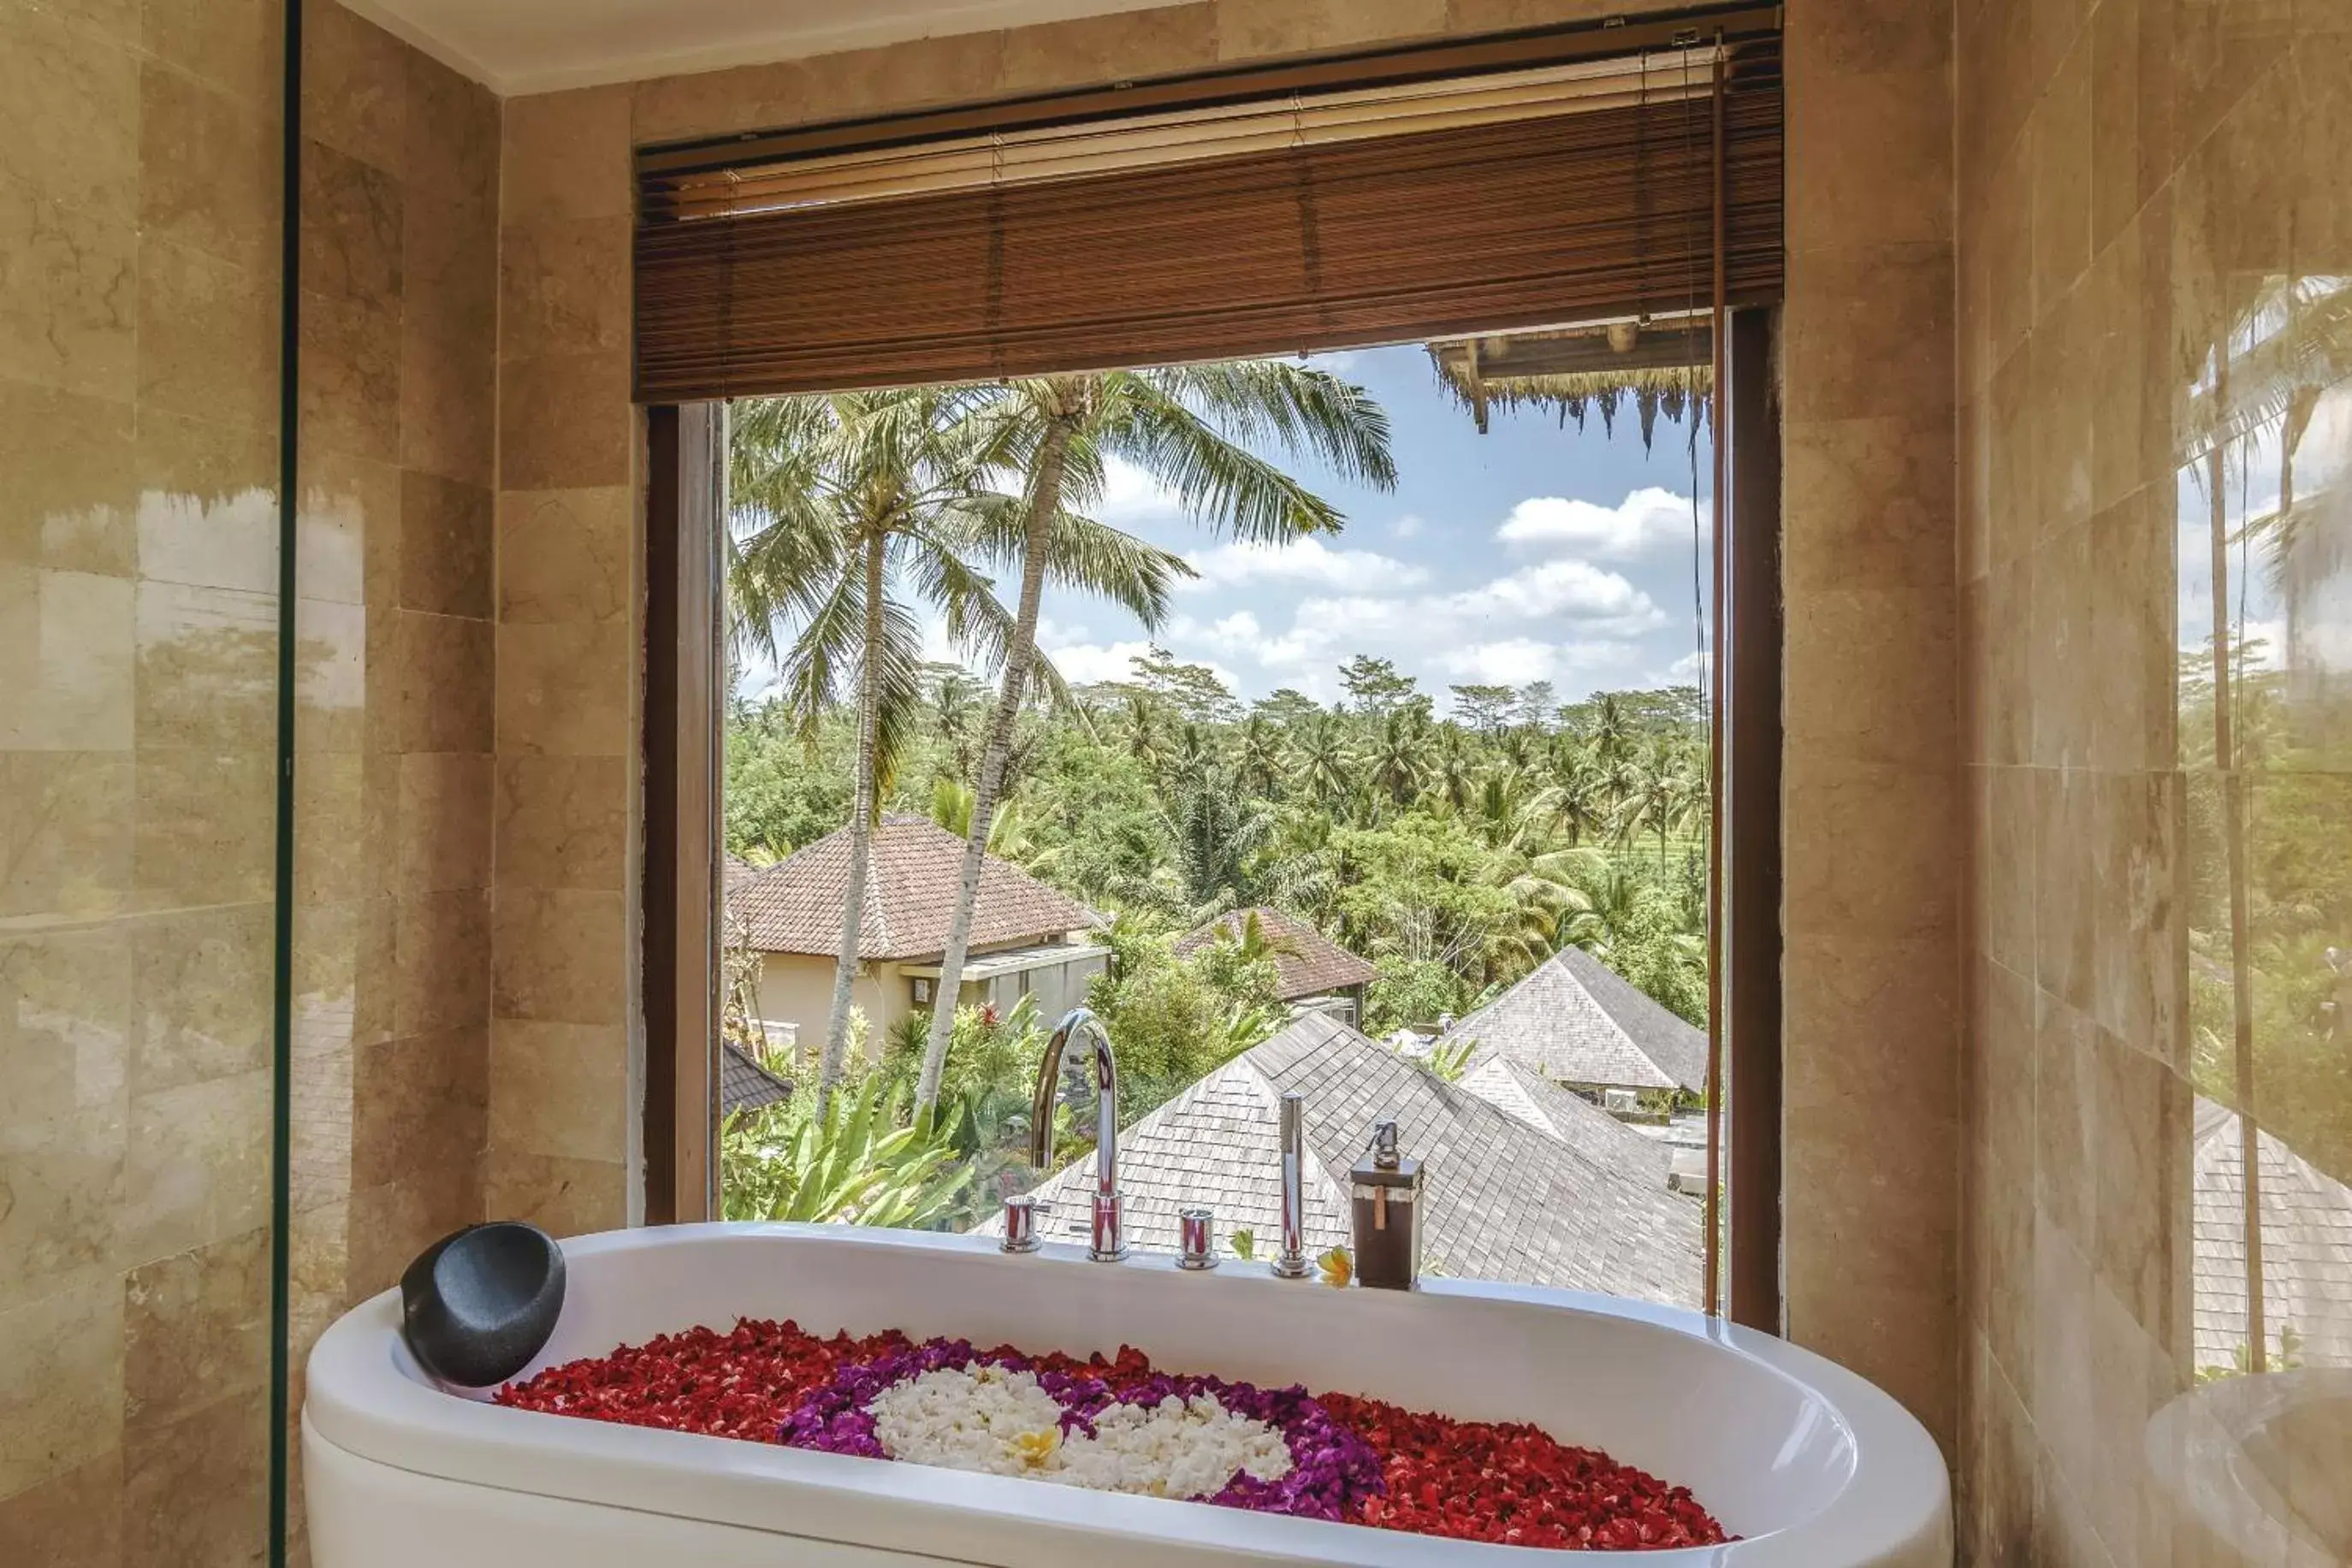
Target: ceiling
535,45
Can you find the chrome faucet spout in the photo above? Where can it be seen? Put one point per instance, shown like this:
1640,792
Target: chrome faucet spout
1109,1234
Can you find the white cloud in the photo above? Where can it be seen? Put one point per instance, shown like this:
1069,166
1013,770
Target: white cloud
1133,500
1515,661
1648,519
1690,670
1407,526
1570,589
1556,621
1307,560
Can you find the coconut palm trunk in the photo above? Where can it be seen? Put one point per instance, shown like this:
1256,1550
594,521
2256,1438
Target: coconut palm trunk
1045,505
861,829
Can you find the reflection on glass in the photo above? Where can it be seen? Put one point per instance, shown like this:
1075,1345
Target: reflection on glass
2264,556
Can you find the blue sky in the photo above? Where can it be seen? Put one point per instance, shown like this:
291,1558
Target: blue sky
1531,552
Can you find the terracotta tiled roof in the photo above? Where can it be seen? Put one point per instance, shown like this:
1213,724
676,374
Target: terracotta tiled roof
740,874
1574,1020
1507,1199
794,905
1313,965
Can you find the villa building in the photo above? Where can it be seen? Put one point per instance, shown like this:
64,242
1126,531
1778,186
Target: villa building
1027,939
1314,973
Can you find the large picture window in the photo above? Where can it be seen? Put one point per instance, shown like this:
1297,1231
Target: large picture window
1258,566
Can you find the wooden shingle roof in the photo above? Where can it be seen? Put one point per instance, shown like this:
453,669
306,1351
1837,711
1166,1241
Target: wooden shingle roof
1505,1200
1308,963
2307,1219
794,905
1574,1020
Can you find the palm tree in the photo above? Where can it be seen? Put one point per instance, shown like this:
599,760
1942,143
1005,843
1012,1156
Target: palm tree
1146,723
1187,426
841,502
954,705
1453,777
1325,771
1394,761
1261,757
1216,832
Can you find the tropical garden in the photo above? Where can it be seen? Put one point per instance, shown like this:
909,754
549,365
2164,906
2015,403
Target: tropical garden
1456,838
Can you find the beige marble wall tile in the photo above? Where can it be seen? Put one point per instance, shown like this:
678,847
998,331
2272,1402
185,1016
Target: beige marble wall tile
69,501
72,1521
559,1088
203,829
564,421
65,1035
200,995
562,689
451,132
419,1103
442,950
208,176
209,337
348,530
392,1222
567,555
199,1165
563,822
139,376
1845,334
445,811
559,957
62,1383
566,156
196,1490
354,86
195,1329
237,47
564,1197
447,546
1861,842
444,671
68,297
351,242
564,288
64,834
1879,491
1884,172
1880,714
70,638
68,114
1158,41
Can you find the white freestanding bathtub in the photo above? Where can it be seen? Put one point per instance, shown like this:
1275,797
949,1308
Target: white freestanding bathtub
1813,1467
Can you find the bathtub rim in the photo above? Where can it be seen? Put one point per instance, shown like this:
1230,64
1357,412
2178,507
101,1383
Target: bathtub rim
1893,1508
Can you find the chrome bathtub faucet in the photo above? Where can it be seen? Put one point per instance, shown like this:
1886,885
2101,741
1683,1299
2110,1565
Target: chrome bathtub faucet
1291,1263
1109,1235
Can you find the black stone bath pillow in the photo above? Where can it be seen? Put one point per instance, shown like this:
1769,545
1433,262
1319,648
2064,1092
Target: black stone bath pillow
477,1305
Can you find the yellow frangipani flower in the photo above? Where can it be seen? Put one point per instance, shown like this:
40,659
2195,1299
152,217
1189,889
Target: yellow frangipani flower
1339,1267
1034,1448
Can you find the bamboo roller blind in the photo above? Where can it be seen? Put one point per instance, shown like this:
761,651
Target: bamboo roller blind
1549,195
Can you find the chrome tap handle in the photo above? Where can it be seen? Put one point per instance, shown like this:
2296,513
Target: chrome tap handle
1290,1263
1109,1233
1020,1224
1196,1239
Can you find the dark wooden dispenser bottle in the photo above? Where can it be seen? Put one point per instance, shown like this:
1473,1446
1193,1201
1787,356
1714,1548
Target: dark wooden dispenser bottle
1385,1190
